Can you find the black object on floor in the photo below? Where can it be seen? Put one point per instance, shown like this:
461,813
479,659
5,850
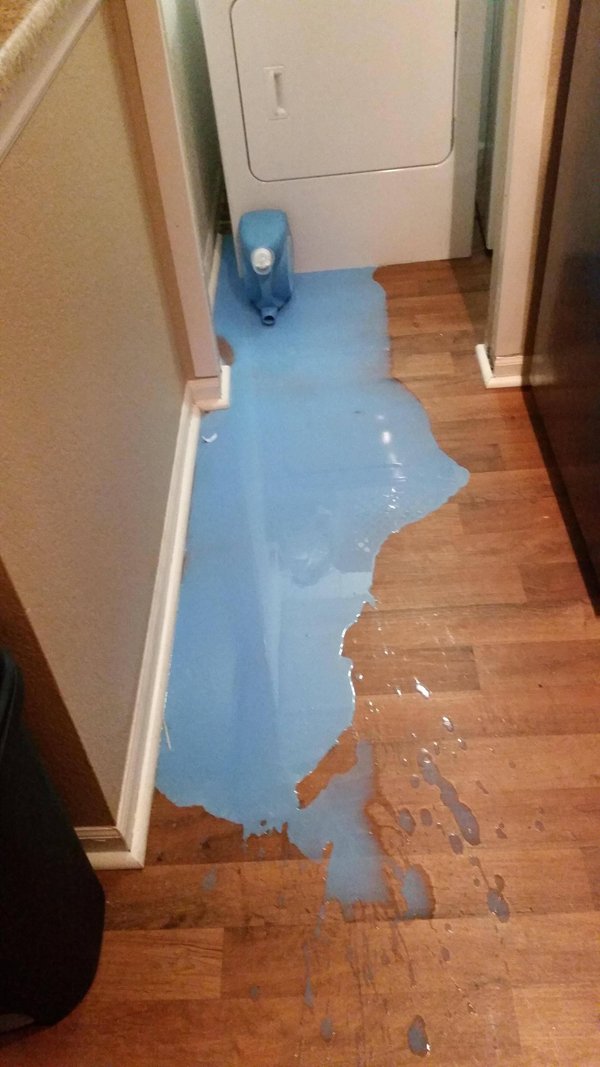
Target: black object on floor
51,903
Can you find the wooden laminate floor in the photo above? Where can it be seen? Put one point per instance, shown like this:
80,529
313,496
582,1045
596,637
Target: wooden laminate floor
220,953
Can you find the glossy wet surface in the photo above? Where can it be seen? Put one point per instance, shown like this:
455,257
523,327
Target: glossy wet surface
223,953
320,457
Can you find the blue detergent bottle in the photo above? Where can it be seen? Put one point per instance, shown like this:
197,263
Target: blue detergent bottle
265,244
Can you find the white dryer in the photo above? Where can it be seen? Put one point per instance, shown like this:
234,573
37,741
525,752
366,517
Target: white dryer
359,118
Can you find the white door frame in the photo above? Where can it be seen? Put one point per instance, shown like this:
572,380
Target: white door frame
526,99
529,102
162,114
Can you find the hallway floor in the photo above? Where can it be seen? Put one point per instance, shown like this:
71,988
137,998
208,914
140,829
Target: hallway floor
221,952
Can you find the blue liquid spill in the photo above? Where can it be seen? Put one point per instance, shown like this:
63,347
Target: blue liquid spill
309,996
209,881
417,893
338,815
326,1029
418,1042
320,457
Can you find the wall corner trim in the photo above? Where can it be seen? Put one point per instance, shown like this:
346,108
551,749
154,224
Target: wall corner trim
212,394
181,215
507,372
124,846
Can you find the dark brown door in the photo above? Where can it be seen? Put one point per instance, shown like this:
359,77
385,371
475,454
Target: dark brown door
565,366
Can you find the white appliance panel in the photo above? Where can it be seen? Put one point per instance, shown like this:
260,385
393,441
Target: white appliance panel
359,118
343,86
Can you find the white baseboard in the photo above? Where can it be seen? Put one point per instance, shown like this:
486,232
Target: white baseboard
212,394
506,374
118,860
106,848
100,835
133,817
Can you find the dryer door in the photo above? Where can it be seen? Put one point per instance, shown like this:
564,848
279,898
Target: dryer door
343,86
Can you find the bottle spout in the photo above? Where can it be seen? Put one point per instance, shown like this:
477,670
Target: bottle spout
268,315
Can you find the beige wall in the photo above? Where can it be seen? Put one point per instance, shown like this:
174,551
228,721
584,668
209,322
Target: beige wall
48,718
90,394
189,71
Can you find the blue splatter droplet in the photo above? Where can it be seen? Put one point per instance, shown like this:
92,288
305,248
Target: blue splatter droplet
326,1029
210,880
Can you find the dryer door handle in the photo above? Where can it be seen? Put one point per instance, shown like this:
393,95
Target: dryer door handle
274,78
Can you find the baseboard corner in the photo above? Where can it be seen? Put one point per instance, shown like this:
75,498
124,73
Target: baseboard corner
212,394
507,372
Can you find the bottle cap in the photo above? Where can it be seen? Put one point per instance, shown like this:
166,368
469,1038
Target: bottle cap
262,260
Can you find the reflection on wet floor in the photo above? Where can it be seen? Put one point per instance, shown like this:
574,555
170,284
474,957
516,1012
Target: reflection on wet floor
319,459
239,958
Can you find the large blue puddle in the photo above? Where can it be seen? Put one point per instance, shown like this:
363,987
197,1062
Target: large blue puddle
320,457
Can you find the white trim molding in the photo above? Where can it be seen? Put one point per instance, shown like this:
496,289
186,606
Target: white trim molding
26,91
181,216
507,372
212,394
513,264
133,816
